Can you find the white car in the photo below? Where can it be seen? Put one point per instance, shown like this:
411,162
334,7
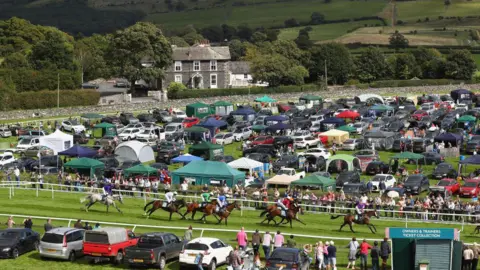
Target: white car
129,134
179,114
462,106
317,152
152,133
5,132
316,119
389,180
130,126
301,134
6,158
73,126
215,252
224,138
26,143
242,133
306,142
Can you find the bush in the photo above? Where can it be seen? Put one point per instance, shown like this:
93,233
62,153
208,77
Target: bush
352,82
203,93
48,99
36,80
407,83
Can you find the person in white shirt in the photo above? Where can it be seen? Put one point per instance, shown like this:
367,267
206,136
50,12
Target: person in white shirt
184,187
170,197
16,172
155,188
147,187
266,244
141,185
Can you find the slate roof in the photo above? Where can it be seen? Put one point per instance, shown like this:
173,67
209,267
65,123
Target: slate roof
239,67
201,53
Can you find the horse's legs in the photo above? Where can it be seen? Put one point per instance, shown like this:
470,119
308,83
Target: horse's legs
278,224
291,223
178,212
374,228
170,216
297,219
371,228
341,227
351,228
107,206
116,207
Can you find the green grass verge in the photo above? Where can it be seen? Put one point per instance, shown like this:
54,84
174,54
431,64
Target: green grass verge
267,15
412,10
476,57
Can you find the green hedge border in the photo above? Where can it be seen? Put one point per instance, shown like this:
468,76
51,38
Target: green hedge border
48,99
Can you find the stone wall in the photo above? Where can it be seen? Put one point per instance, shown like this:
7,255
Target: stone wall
333,92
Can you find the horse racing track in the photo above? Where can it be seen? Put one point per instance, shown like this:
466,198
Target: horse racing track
67,205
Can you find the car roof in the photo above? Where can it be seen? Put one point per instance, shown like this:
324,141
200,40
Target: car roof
294,250
204,240
63,230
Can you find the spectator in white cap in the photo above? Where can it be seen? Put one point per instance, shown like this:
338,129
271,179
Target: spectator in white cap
332,256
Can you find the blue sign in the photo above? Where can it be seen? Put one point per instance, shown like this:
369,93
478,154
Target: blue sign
421,233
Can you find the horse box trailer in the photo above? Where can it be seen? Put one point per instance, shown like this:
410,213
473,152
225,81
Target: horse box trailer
108,243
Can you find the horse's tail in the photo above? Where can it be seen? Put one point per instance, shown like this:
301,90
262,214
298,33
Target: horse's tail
335,217
82,200
263,213
145,208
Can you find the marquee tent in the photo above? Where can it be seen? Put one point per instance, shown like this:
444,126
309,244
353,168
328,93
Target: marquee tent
279,126
336,136
281,180
212,124
316,181
86,166
452,138
265,99
247,114
223,107
134,150
141,169
197,109
78,151
344,162
187,158
246,164
208,172
331,122
206,150
57,141
104,129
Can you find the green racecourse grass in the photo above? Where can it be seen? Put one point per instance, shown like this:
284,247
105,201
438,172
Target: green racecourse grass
267,15
325,31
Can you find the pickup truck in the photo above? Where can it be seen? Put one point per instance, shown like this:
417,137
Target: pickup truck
108,243
291,172
154,248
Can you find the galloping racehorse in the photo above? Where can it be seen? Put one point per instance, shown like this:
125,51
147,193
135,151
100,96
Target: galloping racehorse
290,215
194,206
208,210
227,211
365,220
109,200
174,207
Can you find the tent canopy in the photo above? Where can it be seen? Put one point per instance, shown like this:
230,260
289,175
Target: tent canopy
475,159
141,169
104,129
57,141
310,97
206,150
134,150
460,94
347,128
333,120
265,99
85,165
78,151
348,115
351,161
186,158
449,137
283,180
212,124
379,134
245,163
381,108
222,107
336,136
278,118
467,118
196,129
197,109
279,126
408,155
208,172
258,128
316,180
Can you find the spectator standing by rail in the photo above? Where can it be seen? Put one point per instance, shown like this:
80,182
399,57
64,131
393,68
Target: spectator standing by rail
242,239
352,252
385,252
364,247
256,239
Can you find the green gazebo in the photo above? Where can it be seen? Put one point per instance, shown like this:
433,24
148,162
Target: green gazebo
197,109
104,129
86,166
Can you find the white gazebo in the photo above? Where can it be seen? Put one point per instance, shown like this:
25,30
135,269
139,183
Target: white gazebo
57,141
246,164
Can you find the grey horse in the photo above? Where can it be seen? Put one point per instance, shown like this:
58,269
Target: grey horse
109,200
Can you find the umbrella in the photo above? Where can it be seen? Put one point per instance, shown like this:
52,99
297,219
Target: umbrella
393,194
265,99
348,114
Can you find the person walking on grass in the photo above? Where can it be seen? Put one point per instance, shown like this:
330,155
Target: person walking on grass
10,223
385,252
256,239
242,239
364,247
48,226
278,240
291,243
266,243
188,234
352,252
319,255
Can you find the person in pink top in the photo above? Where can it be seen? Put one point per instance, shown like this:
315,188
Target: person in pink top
242,239
364,247
278,240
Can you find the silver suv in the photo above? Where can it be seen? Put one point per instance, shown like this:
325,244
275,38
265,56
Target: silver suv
62,243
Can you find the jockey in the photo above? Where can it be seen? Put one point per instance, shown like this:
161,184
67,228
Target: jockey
359,209
107,190
206,198
170,197
221,202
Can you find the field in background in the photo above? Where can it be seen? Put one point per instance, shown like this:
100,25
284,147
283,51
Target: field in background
411,11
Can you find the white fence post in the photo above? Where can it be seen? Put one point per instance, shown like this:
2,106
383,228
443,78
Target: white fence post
69,222
201,234
406,220
10,193
241,208
134,227
53,193
13,190
36,189
144,199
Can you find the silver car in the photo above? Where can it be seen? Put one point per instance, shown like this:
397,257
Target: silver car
62,243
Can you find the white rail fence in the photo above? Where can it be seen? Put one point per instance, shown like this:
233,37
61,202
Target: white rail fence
405,217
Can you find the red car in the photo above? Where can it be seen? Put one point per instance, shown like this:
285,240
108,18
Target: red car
418,115
448,184
190,122
471,188
108,244
263,140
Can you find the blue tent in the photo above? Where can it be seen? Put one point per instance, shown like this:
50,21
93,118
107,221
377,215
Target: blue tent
78,151
461,94
212,124
279,126
337,122
247,114
187,158
451,138
475,159
277,118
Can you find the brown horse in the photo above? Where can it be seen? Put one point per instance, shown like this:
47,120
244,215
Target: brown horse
208,210
269,209
174,207
290,215
227,211
194,206
365,220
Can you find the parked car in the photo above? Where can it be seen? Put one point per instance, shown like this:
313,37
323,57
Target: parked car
128,118
162,116
28,134
471,188
46,161
416,184
444,169
352,144
146,117
73,126
361,127
285,258
215,252
36,151
165,154
62,243
289,161
223,138
242,133
301,134
447,184
260,157
154,248
263,140
306,142
110,162
376,167
419,114
268,149
5,132
388,179
367,153
178,114
317,152
106,140
282,141
347,177
80,138
15,242
6,158
173,131
190,121
26,143
154,132
129,134
354,189
108,243
420,144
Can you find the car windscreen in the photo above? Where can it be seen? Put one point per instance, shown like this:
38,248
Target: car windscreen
219,136
24,141
349,142
150,242
283,255
9,235
170,128
99,238
350,189
379,178
443,183
470,184
196,246
52,238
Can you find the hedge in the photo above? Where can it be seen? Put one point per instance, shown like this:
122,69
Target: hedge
48,99
407,83
36,80
203,93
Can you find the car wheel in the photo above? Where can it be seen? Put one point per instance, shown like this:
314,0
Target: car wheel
162,262
15,253
71,256
119,258
213,265
36,245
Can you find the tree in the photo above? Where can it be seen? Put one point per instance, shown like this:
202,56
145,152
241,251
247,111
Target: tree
397,40
213,33
272,34
55,52
131,47
303,40
229,32
15,60
192,38
338,59
178,41
371,65
317,18
431,62
89,53
404,66
237,49
276,69
175,87
460,65
244,32
292,22
258,37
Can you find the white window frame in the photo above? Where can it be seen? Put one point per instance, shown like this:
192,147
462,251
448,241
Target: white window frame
178,64
178,76
194,66
216,81
213,65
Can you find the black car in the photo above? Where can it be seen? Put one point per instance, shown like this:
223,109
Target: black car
80,138
110,162
416,183
260,157
159,166
165,154
111,120
146,117
14,242
288,161
162,116
286,258
262,148
399,189
402,114
22,163
395,126
128,118
314,164
282,141
443,170
420,145
431,158
377,167
355,189
128,164
48,161
447,123
347,177
472,146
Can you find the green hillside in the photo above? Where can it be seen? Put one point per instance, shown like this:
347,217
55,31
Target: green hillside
411,11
